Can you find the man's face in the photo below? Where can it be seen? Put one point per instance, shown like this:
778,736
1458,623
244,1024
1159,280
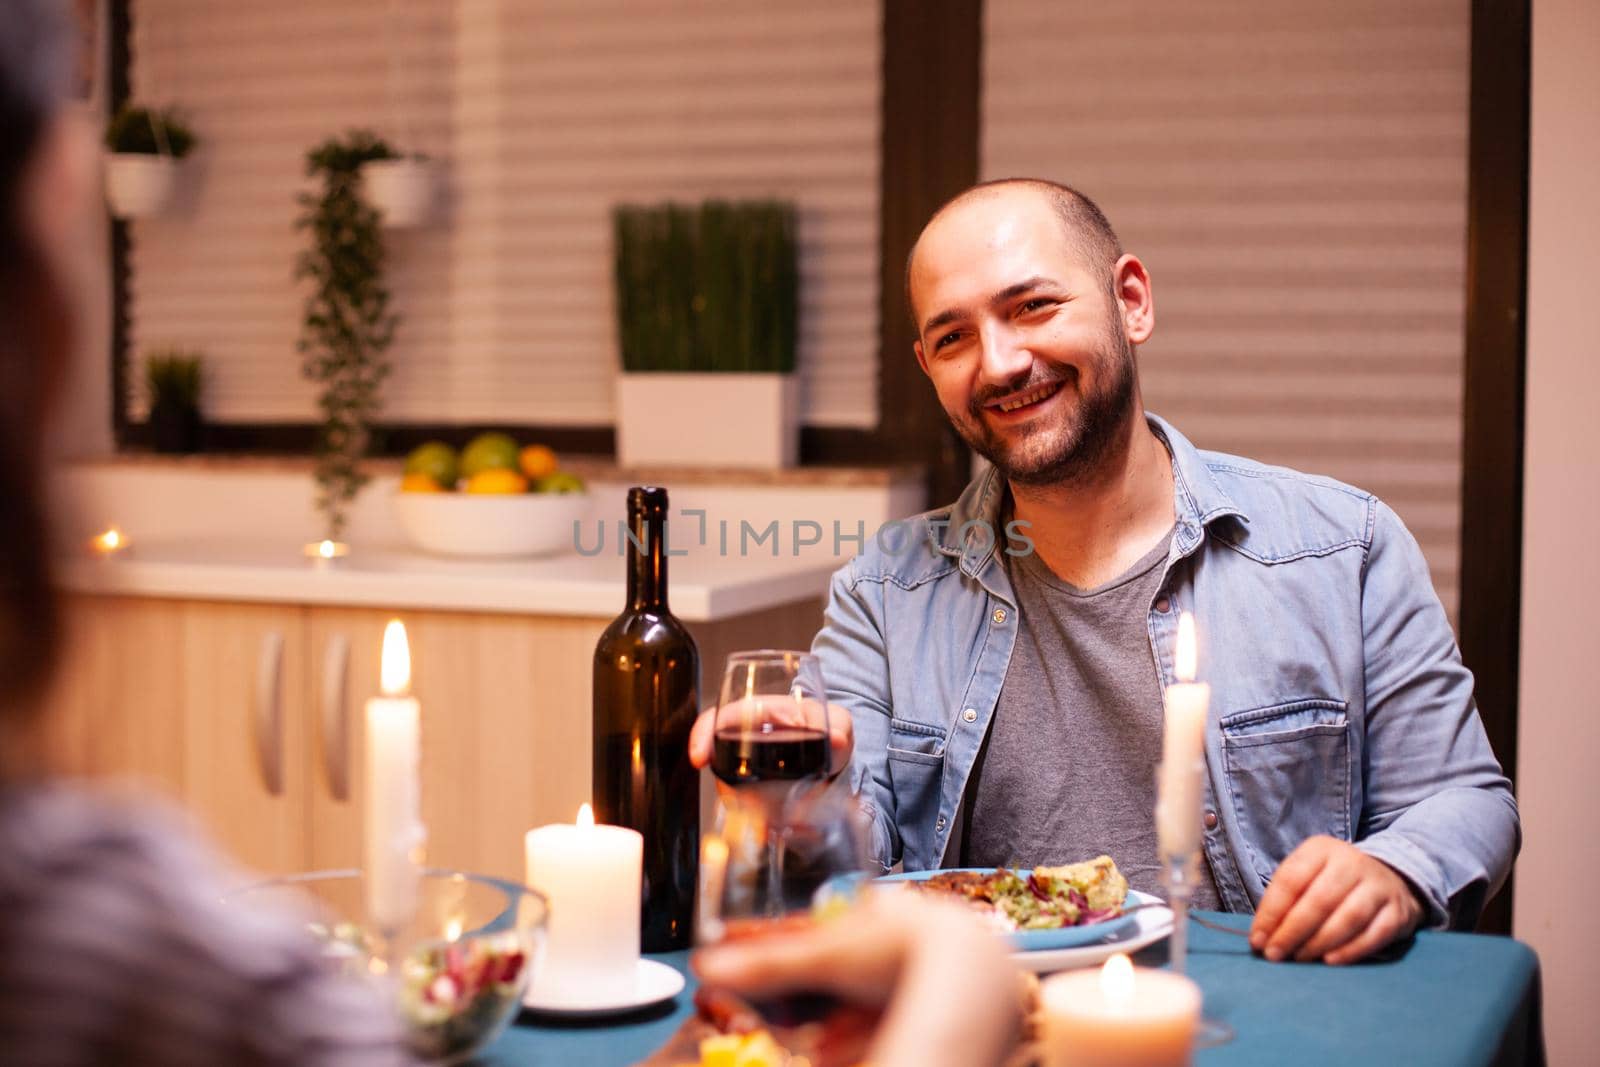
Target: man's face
1022,337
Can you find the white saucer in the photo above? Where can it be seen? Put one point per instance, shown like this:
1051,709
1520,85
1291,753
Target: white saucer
1153,925
653,983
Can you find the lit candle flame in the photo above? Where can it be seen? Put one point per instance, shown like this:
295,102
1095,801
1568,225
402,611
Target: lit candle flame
1116,981
395,668
585,816
452,929
109,541
1185,656
326,550
714,851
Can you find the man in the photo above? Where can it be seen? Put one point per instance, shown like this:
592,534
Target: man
1005,692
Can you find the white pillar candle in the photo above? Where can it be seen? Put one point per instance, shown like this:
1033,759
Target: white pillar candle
591,877
1182,750
394,834
1119,1016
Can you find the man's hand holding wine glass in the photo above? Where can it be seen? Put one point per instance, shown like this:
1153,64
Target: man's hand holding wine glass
840,738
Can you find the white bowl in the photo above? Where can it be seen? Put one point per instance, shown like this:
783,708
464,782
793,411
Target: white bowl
490,524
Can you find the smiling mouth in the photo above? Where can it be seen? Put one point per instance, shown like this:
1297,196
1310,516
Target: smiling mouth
1028,399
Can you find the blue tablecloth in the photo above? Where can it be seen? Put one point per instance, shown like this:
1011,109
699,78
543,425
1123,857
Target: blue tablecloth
1452,1000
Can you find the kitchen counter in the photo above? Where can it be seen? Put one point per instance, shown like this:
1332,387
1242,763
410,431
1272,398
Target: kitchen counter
704,586
235,530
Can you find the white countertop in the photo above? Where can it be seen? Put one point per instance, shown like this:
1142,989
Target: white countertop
230,532
703,586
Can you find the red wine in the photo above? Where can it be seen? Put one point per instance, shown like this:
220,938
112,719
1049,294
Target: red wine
783,753
646,696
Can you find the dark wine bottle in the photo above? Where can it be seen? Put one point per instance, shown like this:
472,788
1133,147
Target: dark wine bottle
646,696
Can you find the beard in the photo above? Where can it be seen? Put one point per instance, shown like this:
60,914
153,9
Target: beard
1077,443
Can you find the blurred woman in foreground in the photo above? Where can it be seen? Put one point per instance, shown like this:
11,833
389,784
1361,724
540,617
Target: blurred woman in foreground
114,944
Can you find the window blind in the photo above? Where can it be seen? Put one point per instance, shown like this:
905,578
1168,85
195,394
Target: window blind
544,114
1294,177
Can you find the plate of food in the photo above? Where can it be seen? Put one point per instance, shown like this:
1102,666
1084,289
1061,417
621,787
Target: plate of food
1050,909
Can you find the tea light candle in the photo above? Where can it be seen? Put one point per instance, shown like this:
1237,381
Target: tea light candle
1119,1016
108,543
592,878
394,834
1182,750
324,554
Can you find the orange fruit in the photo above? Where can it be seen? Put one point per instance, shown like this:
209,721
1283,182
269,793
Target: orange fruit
417,482
497,480
537,461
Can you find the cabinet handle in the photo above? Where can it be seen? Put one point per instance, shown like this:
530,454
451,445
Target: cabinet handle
336,717
269,712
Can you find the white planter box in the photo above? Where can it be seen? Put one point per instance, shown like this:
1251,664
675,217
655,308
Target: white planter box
402,190
139,185
708,420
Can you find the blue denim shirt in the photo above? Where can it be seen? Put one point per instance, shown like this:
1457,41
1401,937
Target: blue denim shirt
1339,703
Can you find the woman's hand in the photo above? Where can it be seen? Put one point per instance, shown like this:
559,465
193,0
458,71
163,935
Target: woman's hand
941,983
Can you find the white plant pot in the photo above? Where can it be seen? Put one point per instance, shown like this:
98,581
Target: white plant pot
708,420
402,190
139,185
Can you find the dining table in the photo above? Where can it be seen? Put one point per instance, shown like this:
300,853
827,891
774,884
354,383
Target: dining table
1440,999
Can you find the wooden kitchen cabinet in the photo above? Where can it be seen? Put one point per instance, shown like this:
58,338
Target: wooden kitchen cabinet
253,716
118,702
505,730
245,729
202,701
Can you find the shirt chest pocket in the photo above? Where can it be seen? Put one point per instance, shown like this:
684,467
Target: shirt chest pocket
1288,776
915,743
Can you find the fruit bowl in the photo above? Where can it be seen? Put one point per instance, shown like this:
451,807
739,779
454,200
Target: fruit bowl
465,961
491,525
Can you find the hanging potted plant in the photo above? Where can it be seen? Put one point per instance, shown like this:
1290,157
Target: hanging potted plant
348,326
401,189
172,384
706,312
144,147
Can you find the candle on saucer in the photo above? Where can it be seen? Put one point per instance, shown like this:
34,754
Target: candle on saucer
591,876
108,543
1118,1016
394,834
1182,750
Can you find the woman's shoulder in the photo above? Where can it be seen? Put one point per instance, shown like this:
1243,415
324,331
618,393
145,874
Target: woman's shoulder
118,902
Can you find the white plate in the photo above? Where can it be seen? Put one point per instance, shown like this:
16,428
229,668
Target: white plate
1044,940
653,983
1153,924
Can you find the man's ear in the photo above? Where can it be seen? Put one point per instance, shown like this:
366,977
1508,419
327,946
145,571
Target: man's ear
1131,282
922,360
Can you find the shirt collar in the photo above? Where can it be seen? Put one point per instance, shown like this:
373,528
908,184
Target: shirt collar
1197,502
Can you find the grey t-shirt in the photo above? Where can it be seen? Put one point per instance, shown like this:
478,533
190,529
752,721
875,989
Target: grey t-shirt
1067,771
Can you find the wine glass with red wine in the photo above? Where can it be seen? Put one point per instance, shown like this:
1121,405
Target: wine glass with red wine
786,843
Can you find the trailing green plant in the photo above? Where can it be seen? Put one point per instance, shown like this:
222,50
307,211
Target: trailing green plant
173,376
144,131
713,287
348,326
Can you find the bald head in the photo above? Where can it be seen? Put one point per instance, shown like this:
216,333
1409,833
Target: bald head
1082,221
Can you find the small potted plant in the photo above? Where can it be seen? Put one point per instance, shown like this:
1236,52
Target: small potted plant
172,381
144,147
706,308
401,188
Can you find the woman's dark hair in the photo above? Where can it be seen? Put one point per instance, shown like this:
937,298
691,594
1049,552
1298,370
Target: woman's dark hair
36,61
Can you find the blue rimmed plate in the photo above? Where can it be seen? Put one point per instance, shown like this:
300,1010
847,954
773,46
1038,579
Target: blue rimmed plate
1047,940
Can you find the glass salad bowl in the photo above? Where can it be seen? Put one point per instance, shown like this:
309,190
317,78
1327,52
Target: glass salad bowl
457,973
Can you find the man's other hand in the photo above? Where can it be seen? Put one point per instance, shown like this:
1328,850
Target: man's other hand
1330,901
841,737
